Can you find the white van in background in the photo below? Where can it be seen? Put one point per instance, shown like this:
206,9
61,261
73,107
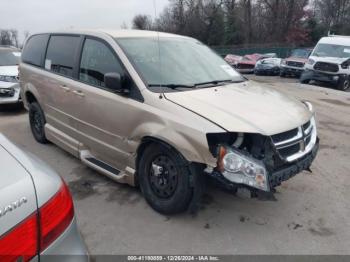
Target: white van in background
330,62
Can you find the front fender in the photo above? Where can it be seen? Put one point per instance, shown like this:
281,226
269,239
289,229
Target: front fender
189,142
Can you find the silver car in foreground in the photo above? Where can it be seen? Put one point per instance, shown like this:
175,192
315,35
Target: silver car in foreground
37,219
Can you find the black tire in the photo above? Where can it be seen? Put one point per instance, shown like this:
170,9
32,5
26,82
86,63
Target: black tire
282,74
169,192
344,84
305,81
37,122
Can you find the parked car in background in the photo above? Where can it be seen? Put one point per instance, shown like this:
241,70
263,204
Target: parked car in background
268,66
162,129
246,64
9,86
330,62
233,60
295,63
36,211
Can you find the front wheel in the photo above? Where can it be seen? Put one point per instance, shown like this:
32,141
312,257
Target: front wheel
344,84
305,81
37,122
164,177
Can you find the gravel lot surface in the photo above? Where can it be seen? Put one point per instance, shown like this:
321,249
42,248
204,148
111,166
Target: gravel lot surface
310,215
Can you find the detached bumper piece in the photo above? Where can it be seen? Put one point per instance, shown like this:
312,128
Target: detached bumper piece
300,165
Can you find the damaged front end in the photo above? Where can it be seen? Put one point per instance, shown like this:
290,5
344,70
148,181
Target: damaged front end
260,162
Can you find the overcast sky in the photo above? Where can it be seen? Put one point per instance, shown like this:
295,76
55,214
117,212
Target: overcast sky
42,15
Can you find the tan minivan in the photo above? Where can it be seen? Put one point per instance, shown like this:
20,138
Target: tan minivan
159,111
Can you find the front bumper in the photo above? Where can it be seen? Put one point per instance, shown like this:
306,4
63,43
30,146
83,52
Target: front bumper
13,99
322,77
275,177
284,174
292,70
270,71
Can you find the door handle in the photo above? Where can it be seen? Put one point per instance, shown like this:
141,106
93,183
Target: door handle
65,88
79,93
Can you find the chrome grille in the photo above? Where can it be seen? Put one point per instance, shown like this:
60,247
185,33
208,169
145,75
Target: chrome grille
295,64
297,142
326,67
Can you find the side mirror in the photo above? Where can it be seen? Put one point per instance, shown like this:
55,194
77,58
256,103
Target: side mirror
115,82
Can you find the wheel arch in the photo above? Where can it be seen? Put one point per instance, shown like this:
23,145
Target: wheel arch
30,95
148,140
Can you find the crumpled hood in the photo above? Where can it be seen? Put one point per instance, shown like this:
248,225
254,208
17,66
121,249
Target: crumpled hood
334,60
9,70
246,107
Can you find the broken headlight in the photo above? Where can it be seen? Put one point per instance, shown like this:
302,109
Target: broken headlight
242,169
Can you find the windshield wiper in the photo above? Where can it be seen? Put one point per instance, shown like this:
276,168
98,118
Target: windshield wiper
198,85
172,86
218,82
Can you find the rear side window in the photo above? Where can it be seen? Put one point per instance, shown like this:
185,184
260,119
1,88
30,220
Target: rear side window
97,60
34,50
61,53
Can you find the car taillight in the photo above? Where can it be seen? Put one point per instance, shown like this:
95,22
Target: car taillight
55,216
20,244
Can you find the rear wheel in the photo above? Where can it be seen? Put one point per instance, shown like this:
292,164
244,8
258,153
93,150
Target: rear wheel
164,177
344,84
37,122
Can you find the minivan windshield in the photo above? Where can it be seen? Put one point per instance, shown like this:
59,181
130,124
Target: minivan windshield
332,50
184,63
9,58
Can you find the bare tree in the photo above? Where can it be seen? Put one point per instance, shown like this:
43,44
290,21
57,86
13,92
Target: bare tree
142,22
246,22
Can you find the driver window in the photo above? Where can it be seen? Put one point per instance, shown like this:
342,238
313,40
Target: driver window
97,60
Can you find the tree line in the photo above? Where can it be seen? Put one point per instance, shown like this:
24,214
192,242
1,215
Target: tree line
251,22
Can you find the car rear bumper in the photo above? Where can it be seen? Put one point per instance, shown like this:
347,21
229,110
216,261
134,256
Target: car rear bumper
322,77
68,247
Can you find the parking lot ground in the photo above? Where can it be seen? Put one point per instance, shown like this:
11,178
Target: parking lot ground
310,214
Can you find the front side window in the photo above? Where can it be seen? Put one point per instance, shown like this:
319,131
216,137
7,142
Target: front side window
332,50
97,60
176,61
61,54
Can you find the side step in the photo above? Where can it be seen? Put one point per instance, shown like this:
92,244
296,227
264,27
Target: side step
103,165
125,176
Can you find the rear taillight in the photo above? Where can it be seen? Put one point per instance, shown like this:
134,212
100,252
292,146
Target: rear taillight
21,242
55,216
